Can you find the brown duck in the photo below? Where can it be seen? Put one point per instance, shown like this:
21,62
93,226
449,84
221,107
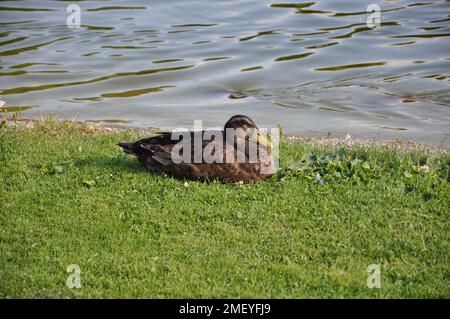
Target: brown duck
231,161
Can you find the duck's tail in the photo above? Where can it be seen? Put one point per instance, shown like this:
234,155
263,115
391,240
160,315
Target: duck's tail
128,148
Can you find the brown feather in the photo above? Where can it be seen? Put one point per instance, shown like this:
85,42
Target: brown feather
155,154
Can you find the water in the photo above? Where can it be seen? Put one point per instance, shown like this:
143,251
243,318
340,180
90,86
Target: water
313,67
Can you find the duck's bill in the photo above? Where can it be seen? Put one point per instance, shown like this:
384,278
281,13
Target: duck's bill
261,139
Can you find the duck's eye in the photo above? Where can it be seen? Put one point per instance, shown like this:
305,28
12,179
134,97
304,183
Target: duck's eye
246,124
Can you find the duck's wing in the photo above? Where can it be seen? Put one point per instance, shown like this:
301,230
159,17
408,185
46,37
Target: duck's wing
142,147
159,153
155,153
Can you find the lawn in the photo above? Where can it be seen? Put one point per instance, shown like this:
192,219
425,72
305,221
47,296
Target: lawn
70,196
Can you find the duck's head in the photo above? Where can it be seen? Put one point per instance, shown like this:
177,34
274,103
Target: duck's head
245,128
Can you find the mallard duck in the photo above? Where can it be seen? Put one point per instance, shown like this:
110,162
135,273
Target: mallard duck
240,166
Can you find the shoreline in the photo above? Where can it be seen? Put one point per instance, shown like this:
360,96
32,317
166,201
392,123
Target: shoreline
315,140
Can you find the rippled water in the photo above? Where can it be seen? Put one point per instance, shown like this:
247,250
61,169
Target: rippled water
313,67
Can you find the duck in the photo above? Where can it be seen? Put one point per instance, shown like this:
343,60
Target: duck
228,155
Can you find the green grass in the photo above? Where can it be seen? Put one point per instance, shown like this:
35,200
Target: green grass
71,197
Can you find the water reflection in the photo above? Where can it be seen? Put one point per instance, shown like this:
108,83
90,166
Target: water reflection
312,66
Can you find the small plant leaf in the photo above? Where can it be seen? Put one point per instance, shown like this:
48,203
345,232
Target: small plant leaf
89,183
407,174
